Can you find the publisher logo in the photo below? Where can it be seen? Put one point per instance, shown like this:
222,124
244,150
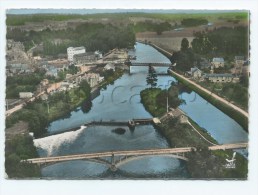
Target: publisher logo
231,162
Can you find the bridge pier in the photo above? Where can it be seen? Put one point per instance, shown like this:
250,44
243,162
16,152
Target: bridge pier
113,164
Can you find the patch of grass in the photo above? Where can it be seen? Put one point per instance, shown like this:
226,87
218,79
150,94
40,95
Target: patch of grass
148,98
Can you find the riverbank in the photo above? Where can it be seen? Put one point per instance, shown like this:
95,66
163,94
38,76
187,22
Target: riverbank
171,126
240,117
188,133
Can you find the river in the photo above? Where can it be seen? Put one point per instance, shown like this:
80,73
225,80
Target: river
121,101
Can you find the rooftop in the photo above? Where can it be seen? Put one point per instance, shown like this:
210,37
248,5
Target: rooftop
239,58
219,75
218,60
76,48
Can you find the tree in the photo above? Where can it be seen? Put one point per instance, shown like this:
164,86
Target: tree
184,44
85,87
152,77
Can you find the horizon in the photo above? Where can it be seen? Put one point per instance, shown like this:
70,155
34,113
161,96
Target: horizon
119,10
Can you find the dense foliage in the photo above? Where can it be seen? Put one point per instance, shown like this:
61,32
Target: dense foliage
155,99
17,149
94,36
151,78
150,26
211,164
22,83
185,58
224,42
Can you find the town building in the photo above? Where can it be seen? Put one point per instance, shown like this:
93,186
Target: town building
52,71
71,51
221,78
195,73
85,58
239,62
218,62
18,68
246,69
92,78
110,66
44,82
24,95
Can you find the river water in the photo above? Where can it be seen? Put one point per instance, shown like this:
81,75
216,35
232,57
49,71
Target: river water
121,102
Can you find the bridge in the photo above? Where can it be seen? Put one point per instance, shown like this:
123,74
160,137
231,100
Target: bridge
118,158
150,64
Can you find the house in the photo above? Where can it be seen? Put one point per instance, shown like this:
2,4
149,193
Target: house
221,78
98,54
44,82
246,69
239,63
109,66
179,114
71,51
92,78
85,58
19,68
23,95
52,71
218,62
195,73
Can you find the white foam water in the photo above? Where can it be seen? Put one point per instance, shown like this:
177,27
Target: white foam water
52,143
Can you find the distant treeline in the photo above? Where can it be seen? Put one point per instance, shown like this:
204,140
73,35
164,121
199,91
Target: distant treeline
223,42
150,26
188,22
16,20
94,36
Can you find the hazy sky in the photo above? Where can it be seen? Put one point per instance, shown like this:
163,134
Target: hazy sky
93,11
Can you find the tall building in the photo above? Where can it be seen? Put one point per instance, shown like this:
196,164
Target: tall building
71,51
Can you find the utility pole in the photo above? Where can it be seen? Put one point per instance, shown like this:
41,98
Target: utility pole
167,102
6,101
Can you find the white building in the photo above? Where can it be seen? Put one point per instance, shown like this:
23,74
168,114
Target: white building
218,62
71,51
110,66
195,73
92,78
25,95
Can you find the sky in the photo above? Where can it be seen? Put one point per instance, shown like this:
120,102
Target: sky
94,11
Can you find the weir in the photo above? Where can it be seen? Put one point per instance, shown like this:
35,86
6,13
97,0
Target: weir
131,124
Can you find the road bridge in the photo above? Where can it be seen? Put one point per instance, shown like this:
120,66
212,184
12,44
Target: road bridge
119,158
150,64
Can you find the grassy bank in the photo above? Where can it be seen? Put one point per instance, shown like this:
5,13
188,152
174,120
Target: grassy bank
149,100
111,77
238,117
